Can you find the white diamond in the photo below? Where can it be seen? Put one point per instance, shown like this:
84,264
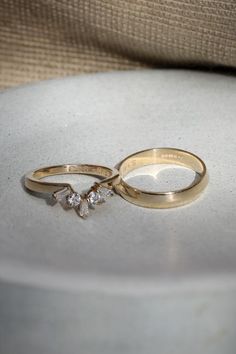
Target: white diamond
93,198
83,208
104,193
73,200
61,195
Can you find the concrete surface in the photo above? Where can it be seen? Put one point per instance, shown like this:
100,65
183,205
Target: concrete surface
128,279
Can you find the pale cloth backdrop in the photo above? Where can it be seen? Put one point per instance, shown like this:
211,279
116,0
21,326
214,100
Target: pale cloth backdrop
44,39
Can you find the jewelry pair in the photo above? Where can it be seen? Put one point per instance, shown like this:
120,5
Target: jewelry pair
113,180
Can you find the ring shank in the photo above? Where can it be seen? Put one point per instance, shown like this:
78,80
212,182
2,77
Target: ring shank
34,182
162,199
161,156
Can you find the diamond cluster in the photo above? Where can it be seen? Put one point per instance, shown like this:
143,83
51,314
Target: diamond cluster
81,203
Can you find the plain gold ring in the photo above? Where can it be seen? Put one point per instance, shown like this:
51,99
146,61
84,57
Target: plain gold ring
167,199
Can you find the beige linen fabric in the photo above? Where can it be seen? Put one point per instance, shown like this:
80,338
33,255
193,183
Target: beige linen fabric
41,39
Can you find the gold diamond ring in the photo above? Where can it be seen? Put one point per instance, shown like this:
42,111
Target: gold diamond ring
64,192
167,199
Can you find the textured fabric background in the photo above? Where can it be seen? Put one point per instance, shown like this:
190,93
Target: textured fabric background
42,39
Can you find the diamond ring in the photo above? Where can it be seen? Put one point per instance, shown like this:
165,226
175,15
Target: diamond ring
97,194
64,192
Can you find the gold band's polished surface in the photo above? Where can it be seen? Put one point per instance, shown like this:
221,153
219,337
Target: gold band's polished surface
33,179
167,199
64,193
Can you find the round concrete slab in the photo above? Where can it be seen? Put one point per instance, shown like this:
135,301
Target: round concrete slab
121,252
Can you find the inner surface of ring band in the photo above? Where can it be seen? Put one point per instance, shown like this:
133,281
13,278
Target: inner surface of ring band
97,171
161,156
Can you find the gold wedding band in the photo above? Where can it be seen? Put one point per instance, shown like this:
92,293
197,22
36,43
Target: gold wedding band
167,199
64,192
